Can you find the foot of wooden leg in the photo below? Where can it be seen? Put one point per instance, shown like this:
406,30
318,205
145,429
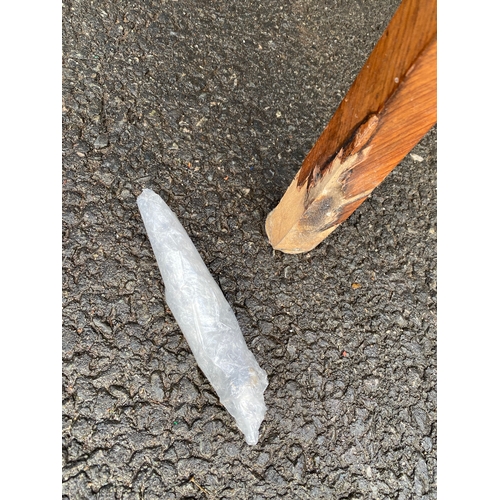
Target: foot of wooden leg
388,109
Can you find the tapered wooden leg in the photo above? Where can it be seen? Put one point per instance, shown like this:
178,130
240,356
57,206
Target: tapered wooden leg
388,109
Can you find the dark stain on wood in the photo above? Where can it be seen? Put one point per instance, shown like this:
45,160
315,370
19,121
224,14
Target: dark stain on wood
318,214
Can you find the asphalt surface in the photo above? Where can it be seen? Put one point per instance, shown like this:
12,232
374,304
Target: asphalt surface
214,105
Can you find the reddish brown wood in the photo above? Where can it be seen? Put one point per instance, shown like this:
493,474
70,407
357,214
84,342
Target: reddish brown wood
388,109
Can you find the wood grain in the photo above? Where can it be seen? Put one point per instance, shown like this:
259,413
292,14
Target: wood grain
388,109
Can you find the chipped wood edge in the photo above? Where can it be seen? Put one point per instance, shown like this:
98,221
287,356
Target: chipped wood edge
313,210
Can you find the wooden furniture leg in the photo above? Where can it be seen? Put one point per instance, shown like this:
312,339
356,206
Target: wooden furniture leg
388,109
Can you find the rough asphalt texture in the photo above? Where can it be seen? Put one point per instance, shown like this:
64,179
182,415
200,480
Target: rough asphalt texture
214,105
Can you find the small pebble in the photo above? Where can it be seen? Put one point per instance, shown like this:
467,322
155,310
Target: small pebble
101,141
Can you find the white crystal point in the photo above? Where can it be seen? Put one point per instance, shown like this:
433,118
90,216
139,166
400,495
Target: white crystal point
205,318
